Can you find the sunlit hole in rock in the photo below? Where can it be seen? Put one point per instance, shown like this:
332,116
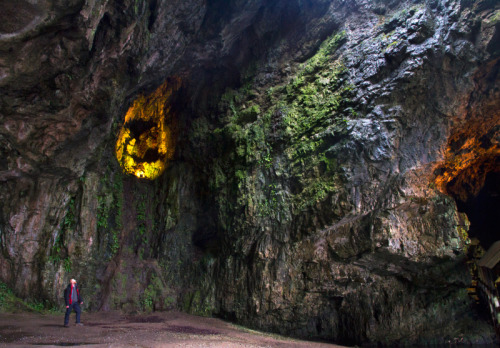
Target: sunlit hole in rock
146,141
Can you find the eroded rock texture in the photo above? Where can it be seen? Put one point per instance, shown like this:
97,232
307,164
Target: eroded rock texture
320,148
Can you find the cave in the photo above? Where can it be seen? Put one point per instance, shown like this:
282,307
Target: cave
483,211
470,175
471,168
297,167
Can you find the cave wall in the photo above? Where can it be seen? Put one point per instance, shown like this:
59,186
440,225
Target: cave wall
302,197
342,232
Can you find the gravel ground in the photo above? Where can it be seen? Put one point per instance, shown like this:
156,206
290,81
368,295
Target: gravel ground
112,329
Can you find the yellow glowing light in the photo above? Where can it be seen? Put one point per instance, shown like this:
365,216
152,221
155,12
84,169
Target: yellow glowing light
145,143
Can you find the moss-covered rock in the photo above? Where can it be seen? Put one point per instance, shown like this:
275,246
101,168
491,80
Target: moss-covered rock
302,196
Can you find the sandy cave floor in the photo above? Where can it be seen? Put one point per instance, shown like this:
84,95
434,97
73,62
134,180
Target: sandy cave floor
111,329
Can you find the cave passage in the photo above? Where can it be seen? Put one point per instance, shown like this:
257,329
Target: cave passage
470,172
472,178
146,140
483,211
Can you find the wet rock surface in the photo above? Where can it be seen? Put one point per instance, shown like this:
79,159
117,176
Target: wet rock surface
304,196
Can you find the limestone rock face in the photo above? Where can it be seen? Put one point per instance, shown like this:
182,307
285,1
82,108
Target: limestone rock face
320,147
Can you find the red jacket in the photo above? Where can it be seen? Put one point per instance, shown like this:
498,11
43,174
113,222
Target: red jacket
68,293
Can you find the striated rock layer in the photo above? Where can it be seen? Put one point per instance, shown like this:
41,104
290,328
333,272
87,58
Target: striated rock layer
320,148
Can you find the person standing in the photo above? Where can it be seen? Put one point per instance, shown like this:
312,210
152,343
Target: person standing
73,301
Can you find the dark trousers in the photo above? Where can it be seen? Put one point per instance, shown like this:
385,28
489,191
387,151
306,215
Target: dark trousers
76,308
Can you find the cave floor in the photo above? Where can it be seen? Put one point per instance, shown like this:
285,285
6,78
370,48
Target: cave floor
112,329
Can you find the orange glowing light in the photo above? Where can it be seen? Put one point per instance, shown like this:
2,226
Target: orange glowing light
473,149
469,167
469,157
145,143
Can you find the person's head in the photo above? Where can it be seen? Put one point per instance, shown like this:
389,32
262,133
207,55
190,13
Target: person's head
72,281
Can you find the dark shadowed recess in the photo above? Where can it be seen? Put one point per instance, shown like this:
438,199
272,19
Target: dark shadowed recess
246,40
139,126
207,78
476,189
483,210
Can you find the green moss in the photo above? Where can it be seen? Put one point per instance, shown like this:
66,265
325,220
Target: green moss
399,18
110,209
120,293
322,57
495,18
305,114
312,106
465,241
330,163
9,302
196,304
315,190
266,159
149,297
67,265
240,174
59,251
318,106
394,43
270,205
69,222
103,208
137,6
6,296
218,178
248,115
169,301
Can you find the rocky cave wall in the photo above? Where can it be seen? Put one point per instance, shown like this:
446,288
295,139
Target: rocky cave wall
304,196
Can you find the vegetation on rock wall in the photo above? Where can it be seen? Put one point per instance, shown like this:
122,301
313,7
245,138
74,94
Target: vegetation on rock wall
10,303
306,116
285,183
300,196
59,251
109,213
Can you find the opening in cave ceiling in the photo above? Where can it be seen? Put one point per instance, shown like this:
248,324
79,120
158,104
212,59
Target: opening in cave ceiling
146,141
